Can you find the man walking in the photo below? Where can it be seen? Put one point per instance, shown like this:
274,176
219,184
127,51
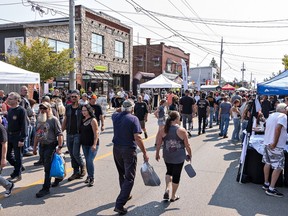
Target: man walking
49,135
203,112
127,132
3,149
212,107
224,115
141,112
187,106
71,123
275,142
17,133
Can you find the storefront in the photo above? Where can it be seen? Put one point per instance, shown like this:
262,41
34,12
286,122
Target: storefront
100,82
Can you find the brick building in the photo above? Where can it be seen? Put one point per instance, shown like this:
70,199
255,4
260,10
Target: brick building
103,47
151,60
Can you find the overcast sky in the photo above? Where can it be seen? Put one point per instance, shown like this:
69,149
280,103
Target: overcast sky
194,26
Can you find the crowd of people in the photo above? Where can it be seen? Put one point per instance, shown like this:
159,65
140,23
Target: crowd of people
24,132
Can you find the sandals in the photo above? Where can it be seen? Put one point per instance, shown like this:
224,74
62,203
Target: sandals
166,195
176,198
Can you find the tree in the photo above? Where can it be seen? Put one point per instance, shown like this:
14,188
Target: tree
285,62
40,57
214,64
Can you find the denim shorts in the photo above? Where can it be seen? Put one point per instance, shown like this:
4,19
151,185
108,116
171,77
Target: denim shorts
161,121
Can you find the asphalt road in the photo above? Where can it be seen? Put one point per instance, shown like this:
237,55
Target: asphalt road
213,191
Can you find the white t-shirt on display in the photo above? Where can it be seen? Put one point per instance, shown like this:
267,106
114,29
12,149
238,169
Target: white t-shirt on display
271,123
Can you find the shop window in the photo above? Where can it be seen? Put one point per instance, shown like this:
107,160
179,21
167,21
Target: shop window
156,61
119,49
139,60
97,43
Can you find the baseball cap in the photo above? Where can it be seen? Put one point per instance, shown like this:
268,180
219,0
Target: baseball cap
92,96
127,104
84,94
45,104
76,91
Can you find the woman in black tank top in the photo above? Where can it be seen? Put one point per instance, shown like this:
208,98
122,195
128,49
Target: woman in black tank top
89,140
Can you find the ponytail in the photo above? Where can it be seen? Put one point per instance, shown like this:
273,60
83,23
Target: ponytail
173,115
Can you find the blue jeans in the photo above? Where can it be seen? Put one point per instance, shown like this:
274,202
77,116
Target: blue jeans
27,142
244,126
125,159
216,116
236,131
224,124
15,159
185,118
89,157
211,116
73,144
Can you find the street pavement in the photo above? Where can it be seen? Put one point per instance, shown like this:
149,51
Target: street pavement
213,191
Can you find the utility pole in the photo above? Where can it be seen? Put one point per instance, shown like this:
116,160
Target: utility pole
72,74
221,53
251,81
243,69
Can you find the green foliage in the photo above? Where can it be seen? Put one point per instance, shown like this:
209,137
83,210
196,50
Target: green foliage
40,58
285,62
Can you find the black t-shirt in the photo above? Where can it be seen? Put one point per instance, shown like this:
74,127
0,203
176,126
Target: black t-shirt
202,106
97,112
187,102
140,110
211,100
73,126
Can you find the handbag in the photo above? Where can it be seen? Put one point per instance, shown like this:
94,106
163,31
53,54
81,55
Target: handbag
149,176
57,166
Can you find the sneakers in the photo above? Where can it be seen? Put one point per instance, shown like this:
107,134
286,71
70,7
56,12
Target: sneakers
74,176
9,190
91,182
225,136
28,154
43,192
265,187
274,193
87,180
83,171
121,211
189,133
145,135
56,182
15,178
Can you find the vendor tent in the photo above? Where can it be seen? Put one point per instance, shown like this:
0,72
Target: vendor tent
242,89
11,74
228,87
278,85
160,82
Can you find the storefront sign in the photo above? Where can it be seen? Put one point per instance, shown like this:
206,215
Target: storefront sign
100,68
86,76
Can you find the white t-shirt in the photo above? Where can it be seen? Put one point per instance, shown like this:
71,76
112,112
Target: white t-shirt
271,123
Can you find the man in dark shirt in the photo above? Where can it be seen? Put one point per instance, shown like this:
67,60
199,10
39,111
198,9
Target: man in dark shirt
97,111
126,137
141,112
212,106
3,151
71,124
203,110
187,106
17,133
266,106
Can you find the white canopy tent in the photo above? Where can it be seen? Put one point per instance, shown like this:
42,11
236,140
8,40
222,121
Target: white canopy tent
242,89
160,82
11,74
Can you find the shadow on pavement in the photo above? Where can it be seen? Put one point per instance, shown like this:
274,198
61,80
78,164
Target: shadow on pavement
151,208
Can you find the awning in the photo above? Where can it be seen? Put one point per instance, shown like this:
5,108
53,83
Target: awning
99,76
141,75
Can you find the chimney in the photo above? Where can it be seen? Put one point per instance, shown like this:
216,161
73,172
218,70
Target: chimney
148,41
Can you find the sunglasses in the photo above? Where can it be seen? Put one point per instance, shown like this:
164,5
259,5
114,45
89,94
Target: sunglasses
42,108
73,96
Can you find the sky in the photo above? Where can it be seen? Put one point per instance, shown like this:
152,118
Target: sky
254,32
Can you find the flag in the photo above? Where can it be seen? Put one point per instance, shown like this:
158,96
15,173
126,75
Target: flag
184,74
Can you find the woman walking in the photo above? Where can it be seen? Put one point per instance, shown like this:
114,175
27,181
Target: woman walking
175,141
89,141
236,120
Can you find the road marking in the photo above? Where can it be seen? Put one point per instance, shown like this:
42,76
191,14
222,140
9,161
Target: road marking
18,190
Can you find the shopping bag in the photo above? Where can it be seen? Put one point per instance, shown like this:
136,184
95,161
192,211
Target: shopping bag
190,170
57,166
149,176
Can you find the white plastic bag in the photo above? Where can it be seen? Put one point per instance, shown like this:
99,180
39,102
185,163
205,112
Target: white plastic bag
149,176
